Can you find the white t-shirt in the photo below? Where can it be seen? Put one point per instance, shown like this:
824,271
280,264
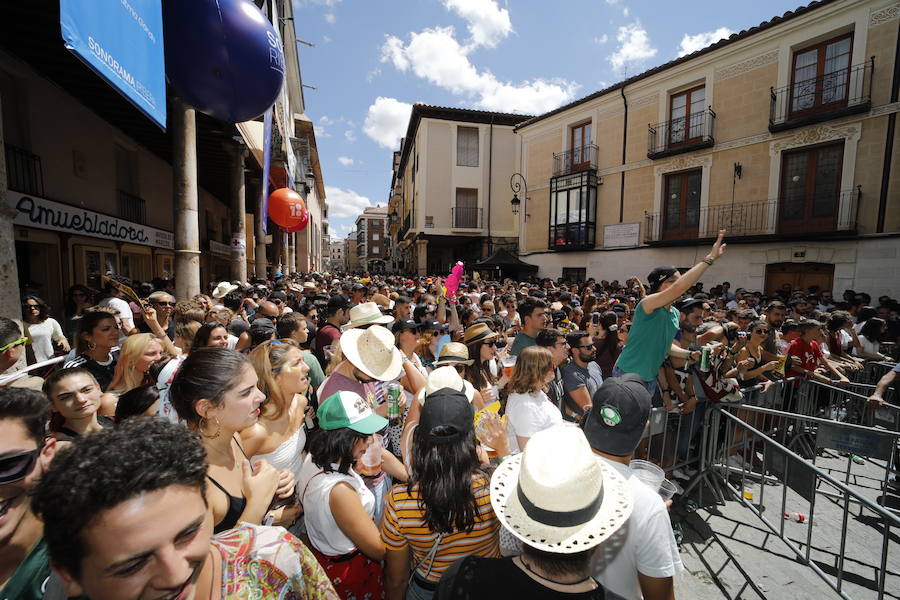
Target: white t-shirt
644,544
121,307
42,336
868,347
529,413
315,490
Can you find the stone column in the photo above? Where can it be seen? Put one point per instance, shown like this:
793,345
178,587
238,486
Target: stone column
183,126
261,236
238,208
421,257
10,305
292,252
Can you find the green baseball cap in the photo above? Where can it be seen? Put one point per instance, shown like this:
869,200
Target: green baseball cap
349,409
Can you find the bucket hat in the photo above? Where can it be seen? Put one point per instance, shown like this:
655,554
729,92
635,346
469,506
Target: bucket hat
366,313
373,352
224,288
453,353
442,378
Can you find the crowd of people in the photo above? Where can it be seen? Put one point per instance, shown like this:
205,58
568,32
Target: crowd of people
334,436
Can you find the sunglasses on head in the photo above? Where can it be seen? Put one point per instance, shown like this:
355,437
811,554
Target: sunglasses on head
15,467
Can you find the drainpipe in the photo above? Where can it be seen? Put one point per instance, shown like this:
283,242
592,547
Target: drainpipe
889,140
490,242
624,141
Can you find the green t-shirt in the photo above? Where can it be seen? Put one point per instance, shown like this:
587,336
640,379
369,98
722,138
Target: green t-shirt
316,375
649,340
28,580
521,342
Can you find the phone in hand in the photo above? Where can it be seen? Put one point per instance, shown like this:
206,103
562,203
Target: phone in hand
595,318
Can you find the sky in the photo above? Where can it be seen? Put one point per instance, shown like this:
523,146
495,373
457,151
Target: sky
373,59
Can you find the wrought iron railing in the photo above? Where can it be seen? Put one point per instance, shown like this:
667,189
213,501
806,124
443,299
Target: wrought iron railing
579,158
133,208
465,217
23,171
682,134
831,213
573,236
841,92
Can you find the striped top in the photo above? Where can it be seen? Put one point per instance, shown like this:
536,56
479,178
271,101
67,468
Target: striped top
404,525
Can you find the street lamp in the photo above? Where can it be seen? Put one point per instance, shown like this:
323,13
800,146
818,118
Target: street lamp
516,184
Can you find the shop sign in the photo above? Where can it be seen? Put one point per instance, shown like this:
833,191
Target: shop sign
219,249
622,235
47,214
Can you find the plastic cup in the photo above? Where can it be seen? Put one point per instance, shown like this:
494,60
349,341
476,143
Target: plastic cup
647,472
372,458
667,489
509,364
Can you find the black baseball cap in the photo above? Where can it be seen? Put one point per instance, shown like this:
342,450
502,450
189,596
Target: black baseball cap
339,301
658,275
616,420
450,409
690,304
404,324
431,325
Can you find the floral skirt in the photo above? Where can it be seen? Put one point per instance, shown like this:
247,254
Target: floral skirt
354,577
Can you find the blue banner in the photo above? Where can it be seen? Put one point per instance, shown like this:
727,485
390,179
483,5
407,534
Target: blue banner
122,40
267,159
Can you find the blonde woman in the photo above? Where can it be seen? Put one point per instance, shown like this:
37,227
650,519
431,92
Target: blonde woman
279,436
136,355
528,409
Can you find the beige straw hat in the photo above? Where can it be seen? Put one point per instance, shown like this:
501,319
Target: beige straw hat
366,313
453,353
445,377
373,352
560,506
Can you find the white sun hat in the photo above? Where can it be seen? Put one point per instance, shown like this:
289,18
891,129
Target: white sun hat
367,313
223,289
445,377
560,506
373,352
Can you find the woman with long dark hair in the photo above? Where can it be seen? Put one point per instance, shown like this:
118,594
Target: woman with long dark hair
444,512
607,342
43,329
870,335
211,334
97,345
78,298
482,344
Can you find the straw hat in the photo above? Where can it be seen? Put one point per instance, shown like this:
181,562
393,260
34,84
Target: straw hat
367,313
453,353
560,506
224,288
381,300
372,351
445,377
478,333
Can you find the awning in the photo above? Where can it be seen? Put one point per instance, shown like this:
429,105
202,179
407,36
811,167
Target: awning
252,132
504,261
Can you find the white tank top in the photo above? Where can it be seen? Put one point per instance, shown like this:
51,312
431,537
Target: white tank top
324,533
289,455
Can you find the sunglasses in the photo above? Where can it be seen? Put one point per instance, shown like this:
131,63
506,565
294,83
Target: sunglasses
435,333
16,467
761,331
587,347
33,306
24,341
164,303
491,343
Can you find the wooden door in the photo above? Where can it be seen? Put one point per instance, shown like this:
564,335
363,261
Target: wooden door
800,276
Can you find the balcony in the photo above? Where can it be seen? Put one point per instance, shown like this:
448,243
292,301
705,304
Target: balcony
134,208
465,217
573,236
407,222
683,134
582,158
795,217
843,92
23,171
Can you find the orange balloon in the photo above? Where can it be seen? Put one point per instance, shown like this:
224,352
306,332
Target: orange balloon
286,207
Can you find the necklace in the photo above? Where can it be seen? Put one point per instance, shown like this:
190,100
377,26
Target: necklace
553,581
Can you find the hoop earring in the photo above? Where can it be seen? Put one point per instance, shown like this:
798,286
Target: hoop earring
203,422
91,345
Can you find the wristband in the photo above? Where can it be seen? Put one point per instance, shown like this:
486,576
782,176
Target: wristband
709,260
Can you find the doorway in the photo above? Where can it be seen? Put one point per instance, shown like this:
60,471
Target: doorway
799,276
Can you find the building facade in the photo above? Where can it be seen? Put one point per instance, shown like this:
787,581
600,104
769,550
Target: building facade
336,255
783,134
372,243
450,189
351,258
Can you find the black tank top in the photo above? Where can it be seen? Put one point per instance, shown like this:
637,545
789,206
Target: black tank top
236,505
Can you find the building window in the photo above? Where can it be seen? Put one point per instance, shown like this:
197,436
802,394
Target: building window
465,212
578,274
811,188
467,146
376,250
374,237
579,140
820,76
573,207
681,205
687,115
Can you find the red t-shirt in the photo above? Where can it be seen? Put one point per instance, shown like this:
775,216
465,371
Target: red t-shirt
808,353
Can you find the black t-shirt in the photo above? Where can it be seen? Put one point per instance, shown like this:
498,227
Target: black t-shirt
103,373
170,330
474,577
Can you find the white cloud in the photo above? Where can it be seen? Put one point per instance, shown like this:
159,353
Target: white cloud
386,121
602,39
343,203
321,126
326,39
612,2
345,160
634,47
625,12
329,18
488,24
350,136
692,43
435,55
